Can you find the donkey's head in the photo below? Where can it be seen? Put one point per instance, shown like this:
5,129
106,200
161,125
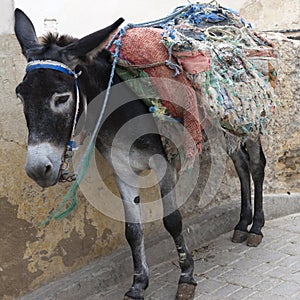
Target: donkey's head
49,93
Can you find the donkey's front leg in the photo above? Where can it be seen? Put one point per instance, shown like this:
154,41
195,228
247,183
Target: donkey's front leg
186,284
135,237
173,223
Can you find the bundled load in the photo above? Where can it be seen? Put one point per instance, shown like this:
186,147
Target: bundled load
229,63
213,53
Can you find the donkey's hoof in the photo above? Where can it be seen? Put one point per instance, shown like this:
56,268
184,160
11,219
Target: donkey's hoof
134,294
239,236
129,298
185,291
254,239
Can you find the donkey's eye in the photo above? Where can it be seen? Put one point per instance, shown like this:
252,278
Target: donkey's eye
61,100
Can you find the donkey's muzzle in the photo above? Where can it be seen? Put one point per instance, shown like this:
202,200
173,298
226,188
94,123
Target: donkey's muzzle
43,163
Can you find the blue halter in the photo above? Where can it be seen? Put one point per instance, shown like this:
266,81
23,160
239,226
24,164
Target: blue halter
52,65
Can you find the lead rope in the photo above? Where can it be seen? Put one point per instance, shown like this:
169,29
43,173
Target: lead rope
71,146
84,162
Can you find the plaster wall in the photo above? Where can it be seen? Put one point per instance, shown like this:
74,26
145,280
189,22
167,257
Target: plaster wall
6,16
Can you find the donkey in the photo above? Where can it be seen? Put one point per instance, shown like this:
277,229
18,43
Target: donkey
49,101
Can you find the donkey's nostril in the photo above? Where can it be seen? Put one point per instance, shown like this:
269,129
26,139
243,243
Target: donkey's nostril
48,169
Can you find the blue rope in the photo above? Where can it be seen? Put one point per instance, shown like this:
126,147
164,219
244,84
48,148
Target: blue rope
162,20
157,22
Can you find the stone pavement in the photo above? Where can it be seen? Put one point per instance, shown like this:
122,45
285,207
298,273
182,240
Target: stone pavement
225,270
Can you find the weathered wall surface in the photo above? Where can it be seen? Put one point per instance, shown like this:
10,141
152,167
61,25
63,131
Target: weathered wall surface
272,14
31,255
6,14
283,146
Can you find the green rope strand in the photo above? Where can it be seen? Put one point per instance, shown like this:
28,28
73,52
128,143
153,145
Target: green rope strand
57,214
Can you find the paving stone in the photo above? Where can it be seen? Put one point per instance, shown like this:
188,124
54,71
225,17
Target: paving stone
274,232
278,272
263,268
209,286
294,277
267,296
265,255
296,296
293,225
206,297
240,249
267,284
276,243
296,267
168,291
226,291
292,248
238,277
286,289
245,264
154,286
241,294
117,294
225,258
220,270
291,261
167,272
203,266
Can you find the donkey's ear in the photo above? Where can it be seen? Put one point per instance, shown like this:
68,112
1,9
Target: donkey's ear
25,32
89,45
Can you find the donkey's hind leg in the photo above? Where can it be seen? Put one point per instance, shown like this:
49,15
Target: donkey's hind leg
257,168
135,238
173,223
241,162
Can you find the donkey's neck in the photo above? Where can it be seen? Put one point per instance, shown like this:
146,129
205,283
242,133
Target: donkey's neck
95,77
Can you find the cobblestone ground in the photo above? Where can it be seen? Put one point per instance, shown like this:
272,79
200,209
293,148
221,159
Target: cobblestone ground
225,270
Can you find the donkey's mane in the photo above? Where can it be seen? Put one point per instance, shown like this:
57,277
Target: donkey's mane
54,38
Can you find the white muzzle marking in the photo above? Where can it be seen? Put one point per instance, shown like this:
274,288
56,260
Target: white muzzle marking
43,163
